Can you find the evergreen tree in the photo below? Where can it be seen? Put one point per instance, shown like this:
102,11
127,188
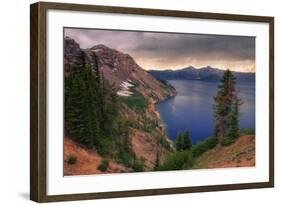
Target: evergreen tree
234,127
90,109
79,112
95,67
186,141
226,108
73,104
179,142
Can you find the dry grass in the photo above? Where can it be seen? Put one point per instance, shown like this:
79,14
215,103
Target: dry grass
239,154
87,162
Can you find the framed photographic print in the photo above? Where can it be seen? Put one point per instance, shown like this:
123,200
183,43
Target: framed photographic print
134,102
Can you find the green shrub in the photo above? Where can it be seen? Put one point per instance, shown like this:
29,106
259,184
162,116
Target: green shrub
199,149
71,159
104,165
136,102
211,142
177,161
247,131
125,157
203,146
138,166
226,141
104,146
128,158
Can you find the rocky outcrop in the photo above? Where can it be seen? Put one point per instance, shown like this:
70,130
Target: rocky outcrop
73,55
118,68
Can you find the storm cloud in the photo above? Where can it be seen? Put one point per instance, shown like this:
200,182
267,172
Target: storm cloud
153,50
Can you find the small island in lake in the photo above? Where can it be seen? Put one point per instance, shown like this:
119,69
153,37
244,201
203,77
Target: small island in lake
194,110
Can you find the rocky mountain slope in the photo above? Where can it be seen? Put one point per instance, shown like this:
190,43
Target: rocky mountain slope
138,91
117,68
206,74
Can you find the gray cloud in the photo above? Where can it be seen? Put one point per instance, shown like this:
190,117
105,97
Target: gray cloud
170,51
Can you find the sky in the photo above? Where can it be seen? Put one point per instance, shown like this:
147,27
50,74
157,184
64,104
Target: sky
162,51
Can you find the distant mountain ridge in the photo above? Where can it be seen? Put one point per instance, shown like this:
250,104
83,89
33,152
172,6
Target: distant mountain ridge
205,74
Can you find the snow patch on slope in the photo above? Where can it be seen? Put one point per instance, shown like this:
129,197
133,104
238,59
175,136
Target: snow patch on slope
125,89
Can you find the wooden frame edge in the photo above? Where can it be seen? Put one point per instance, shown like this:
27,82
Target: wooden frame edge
38,112
34,191
271,101
153,12
155,192
37,102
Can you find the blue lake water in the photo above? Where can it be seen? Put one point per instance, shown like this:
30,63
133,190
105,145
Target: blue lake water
192,108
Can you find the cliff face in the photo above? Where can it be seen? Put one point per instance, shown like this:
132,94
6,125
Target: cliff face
137,89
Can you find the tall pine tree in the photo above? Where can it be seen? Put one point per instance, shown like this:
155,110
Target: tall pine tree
183,141
179,142
186,141
226,108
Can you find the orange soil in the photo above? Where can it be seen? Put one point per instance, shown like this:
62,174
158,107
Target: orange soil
144,147
87,160
239,154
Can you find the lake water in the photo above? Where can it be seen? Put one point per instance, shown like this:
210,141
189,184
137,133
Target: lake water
192,108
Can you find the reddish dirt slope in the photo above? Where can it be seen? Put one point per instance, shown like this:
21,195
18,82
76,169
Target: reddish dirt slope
87,160
239,154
